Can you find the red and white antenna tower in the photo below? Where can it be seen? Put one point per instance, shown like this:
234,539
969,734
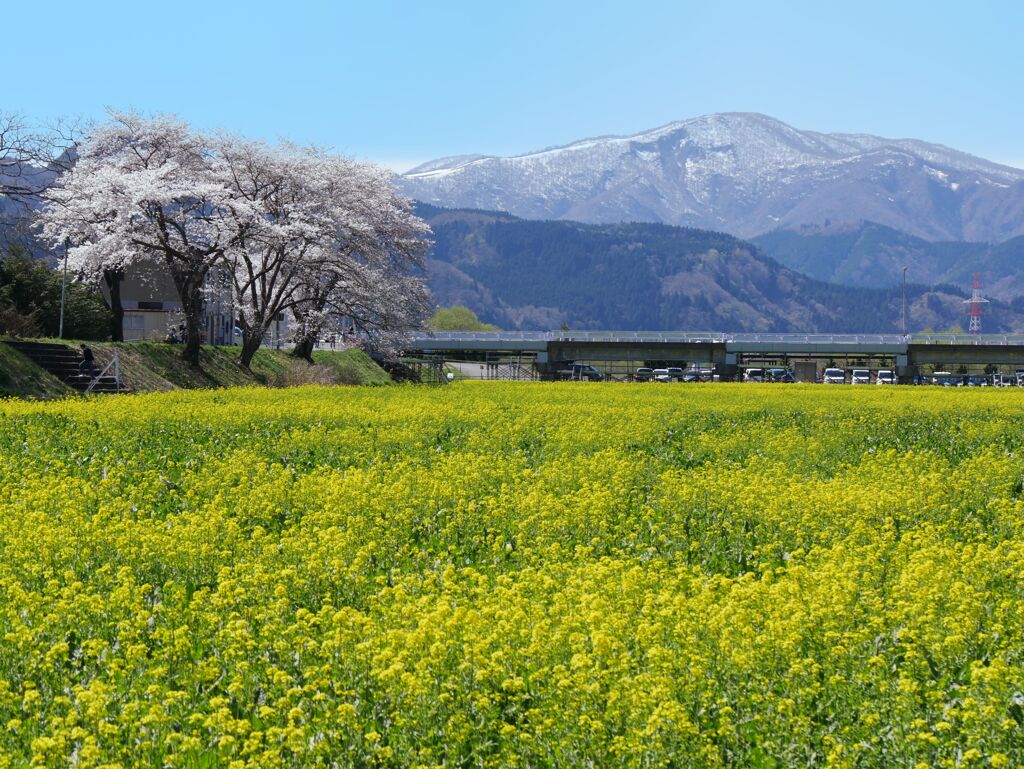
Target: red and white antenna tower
975,302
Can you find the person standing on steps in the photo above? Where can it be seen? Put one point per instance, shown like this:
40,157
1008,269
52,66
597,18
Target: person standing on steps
88,364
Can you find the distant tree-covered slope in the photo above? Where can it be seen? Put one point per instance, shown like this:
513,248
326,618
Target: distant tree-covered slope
532,274
870,254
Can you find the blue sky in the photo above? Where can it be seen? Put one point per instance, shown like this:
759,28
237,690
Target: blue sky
402,82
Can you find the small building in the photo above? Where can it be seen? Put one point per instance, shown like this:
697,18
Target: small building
152,309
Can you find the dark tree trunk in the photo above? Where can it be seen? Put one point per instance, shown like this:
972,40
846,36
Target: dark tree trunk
193,332
113,280
304,349
251,342
305,344
190,292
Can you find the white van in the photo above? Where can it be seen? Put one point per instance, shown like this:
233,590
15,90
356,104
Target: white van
885,377
860,376
834,376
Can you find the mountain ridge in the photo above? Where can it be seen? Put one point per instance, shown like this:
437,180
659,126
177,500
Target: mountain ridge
743,173
861,140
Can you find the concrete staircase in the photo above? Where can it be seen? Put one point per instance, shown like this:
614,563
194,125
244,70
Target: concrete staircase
62,361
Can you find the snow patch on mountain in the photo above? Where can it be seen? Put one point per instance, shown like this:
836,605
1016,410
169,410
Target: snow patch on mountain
738,172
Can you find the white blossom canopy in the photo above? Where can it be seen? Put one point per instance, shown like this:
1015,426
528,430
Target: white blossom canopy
293,228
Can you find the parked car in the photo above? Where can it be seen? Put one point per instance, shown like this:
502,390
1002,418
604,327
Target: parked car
834,376
675,374
780,374
754,375
581,372
976,380
644,374
1003,380
885,377
947,379
860,376
698,375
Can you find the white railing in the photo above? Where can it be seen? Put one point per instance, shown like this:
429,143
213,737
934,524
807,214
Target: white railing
116,363
714,337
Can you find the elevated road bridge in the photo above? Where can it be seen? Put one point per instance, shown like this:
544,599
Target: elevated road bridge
622,352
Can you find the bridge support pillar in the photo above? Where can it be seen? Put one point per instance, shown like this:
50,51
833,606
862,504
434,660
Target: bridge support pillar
727,367
905,372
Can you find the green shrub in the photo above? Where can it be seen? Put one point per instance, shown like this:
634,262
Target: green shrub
30,300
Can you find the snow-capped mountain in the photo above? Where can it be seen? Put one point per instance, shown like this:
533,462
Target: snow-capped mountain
741,173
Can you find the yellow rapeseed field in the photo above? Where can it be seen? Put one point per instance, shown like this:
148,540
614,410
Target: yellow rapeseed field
514,575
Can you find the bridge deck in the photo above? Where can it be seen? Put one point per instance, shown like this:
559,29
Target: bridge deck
724,350
795,343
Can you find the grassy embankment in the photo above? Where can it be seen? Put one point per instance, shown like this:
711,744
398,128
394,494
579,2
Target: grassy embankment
20,376
149,366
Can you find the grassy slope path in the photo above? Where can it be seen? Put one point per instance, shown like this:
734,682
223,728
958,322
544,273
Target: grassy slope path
149,366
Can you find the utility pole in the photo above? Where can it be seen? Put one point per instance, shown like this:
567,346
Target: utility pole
63,288
903,321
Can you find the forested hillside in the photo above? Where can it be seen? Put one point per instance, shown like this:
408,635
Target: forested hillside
870,254
545,274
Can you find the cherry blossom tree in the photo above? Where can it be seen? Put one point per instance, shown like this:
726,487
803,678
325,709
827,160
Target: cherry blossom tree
302,218
280,211
293,229
371,281
143,188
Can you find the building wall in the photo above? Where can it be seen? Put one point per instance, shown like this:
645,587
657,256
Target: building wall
150,286
151,325
152,310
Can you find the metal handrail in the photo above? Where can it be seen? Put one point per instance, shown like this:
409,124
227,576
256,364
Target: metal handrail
117,375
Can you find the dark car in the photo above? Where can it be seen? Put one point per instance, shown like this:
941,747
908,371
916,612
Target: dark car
781,375
644,374
581,372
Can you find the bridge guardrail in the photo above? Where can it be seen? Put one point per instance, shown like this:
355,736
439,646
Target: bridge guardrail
712,337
